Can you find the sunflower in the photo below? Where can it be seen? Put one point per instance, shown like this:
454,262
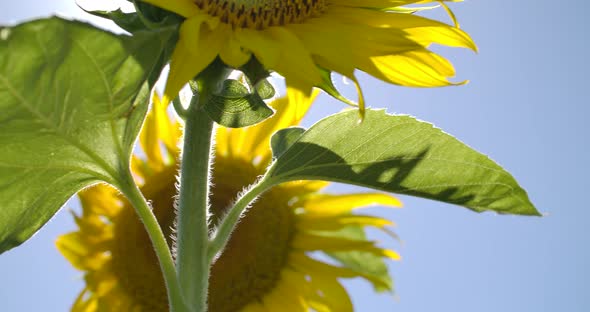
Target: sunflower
267,264
303,39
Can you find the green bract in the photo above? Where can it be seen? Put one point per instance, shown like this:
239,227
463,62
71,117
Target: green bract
235,107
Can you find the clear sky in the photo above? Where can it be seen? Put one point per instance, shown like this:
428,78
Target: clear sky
526,107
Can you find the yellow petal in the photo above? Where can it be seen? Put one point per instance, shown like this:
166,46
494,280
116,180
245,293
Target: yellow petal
221,141
450,13
314,223
101,283
284,296
186,8
378,3
158,128
168,131
236,138
96,232
420,68
201,39
303,263
150,134
322,293
337,42
84,304
73,247
299,103
298,188
140,169
331,293
330,46
420,29
100,199
332,205
361,97
233,54
280,50
264,47
311,242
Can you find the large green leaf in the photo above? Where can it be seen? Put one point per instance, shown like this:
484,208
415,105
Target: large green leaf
402,155
72,100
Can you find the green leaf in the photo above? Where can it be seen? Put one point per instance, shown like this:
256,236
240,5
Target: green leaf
365,263
135,22
72,100
235,107
145,17
130,22
283,139
402,155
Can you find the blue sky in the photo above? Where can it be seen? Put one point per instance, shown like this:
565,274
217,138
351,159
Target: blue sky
525,107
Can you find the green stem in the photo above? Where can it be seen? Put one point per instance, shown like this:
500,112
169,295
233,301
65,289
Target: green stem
193,203
193,199
230,221
181,111
136,198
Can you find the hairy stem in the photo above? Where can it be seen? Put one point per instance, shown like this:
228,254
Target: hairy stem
136,198
231,220
193,204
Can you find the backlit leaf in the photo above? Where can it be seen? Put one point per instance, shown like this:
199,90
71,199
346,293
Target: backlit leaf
402,155
72,101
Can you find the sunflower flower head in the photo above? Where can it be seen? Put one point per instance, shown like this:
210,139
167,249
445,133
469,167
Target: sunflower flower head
267,264
306,40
